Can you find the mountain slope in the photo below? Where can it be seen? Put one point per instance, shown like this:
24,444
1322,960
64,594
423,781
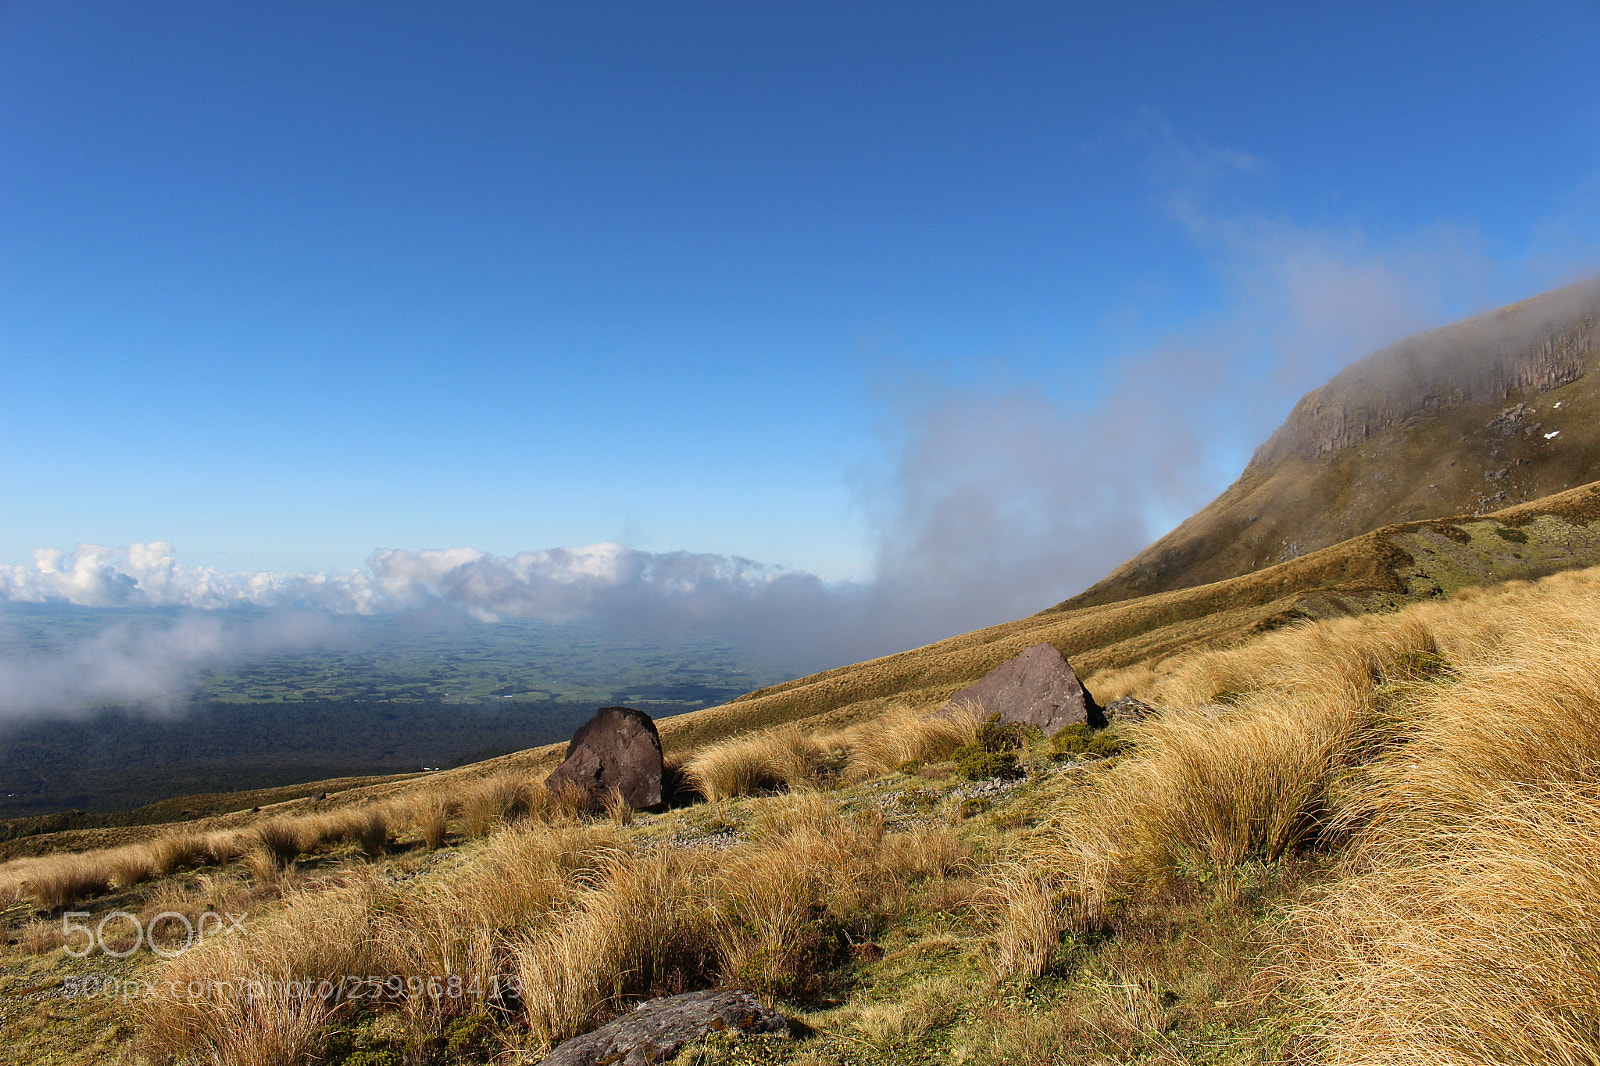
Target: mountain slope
1489,412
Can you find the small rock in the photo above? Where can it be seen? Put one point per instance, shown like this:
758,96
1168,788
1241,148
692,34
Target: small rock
657,1029
1128,709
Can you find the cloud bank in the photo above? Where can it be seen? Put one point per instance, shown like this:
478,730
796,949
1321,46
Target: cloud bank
609,582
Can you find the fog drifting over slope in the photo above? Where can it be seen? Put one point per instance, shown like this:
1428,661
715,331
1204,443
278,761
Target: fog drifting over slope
990,503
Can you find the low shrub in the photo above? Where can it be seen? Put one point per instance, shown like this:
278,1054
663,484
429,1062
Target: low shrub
1082,739
978,764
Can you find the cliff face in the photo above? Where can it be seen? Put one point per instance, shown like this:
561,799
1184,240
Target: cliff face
1530,347
1490,411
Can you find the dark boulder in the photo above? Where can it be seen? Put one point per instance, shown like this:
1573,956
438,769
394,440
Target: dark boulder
1036,688
656,1030
617,748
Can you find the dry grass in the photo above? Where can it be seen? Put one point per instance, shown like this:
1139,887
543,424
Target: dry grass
790,758
282,838
564,923
54,881
500,801
41,936
902,735
1395,732
785,758
1487,950
1467,929
429,817
1443,761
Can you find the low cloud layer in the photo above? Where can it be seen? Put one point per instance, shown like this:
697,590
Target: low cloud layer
616,584
150,664
788,618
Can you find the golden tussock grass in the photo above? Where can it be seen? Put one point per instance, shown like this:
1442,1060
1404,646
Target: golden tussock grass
789,757
1381,730
1467,927
54,881
429,817
1484,950
500,801
1137,680
301,961
564,923
903,735
261,998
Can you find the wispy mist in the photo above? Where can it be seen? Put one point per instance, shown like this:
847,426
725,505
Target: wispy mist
150,664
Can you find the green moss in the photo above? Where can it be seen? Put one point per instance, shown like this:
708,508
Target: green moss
370,1057
1082,739
469,1036
974,763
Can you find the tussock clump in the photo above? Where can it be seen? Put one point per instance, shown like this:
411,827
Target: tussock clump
1487,950
282,838
1137,680
1349,654
785,758
560,924
500,801
639,930
1208,789
901,735
788,758
58,880
1516,727
41,936
263,998
1466,929
371,830
174,851
430,819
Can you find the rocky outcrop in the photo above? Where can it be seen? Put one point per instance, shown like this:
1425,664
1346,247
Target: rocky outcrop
1536,345
1037,688
1494,410
655,1031
617,748
1128,709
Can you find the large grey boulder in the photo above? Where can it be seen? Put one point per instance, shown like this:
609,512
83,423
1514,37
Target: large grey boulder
1036,688
617,748
655,1031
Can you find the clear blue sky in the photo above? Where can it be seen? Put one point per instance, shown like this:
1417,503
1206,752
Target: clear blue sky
284,283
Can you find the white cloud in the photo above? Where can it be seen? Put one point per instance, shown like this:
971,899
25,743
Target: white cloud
146,664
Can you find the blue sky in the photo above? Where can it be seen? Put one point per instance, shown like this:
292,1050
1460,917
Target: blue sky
872,291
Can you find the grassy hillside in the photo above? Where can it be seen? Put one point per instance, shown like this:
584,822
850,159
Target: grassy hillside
1490,412
1381,570
1365,839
